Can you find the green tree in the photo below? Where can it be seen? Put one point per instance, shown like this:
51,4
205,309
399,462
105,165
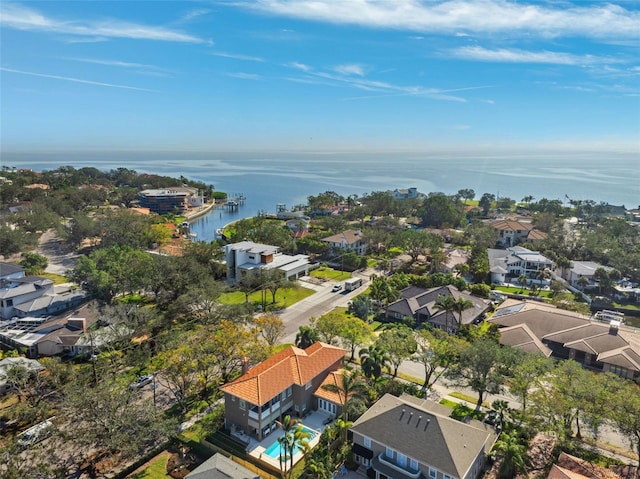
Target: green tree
373,360
307,335
328,326
626,415
445,303
486,202
437,352
351,386
354,333
481,368
270,327
461,305
438,210
512,454
34,263
399,343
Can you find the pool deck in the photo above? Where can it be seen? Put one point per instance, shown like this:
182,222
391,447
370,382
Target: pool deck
314,421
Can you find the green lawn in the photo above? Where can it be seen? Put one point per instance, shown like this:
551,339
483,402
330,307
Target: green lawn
56,278
156,469
525,291
330,274
448,403
284,297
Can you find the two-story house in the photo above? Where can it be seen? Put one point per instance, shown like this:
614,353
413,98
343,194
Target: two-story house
348,240
511,232
282,385
247,257
506,265
406,437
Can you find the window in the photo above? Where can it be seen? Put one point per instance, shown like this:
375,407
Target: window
308,386
283,395
447,476
413,464
242,404
388,452
289,391
367,442
402,460
433,473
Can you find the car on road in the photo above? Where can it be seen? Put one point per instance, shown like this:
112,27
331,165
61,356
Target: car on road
336,287
141,381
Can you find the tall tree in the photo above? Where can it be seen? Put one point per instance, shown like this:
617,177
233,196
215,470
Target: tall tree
459,306
351,386
373,360
512,454
480,368
399,343
436,352
354,333
446,303
270,326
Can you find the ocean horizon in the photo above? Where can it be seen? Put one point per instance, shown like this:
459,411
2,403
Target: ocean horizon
272,178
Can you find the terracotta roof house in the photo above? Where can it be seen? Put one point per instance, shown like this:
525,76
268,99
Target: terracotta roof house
571,467
405,437
419,304
221,467
282,385
511,232
247,257
348,240
544,329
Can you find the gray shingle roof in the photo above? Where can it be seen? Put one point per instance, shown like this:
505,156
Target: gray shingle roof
430,438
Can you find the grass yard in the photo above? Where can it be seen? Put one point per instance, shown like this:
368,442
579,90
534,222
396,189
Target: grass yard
284,297
330,274
154,469
525,291
56,278
448,403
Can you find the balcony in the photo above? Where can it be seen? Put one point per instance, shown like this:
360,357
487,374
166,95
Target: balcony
386,465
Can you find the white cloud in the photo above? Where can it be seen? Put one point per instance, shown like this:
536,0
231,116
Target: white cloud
504,55
299,66
20,17
245,76
74,80
481,17
350,69
237,56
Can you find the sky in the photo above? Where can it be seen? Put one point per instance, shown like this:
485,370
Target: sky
320,75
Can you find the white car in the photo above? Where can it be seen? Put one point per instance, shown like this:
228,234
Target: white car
336,288
141,381
35,433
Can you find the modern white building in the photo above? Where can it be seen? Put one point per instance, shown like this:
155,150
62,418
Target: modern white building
247,257
506,265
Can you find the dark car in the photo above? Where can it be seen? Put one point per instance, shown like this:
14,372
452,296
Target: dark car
491,418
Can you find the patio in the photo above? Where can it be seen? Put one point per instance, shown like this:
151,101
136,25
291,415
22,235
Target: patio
316,422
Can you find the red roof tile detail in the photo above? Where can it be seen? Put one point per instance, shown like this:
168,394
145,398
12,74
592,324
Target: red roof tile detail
290,366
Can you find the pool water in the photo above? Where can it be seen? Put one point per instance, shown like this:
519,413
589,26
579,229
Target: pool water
275,449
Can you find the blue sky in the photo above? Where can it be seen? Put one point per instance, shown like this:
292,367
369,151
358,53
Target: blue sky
320,75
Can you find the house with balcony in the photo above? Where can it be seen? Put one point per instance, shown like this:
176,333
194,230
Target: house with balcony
247,257
176,199
583,269
285,384
506,265
348,240
419,306
406,437
406,193
511,232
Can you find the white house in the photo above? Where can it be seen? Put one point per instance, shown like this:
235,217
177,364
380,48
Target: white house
348,240
583,269
506,265
248,257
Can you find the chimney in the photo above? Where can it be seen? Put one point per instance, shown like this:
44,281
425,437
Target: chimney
245,365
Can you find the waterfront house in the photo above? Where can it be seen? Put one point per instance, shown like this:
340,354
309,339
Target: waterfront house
285,384
406,437
176,200
419,305
247,257
348,240
598,344
406,193
511,232
583,269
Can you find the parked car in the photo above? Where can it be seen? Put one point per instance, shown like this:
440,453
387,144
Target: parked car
491,418
336,287
35,434
141,381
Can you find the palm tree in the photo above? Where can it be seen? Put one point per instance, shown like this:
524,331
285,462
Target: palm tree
306,337
513,455
372,361
583,282
295,437
351,386
460,305
522,281
445,303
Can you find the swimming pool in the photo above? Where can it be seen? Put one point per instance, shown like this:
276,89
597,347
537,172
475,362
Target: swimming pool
275,449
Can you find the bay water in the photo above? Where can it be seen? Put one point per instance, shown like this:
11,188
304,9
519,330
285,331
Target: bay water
271,178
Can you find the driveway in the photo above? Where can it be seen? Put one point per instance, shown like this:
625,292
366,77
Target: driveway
60,261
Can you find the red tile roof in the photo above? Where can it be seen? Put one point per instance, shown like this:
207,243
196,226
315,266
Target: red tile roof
290,366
